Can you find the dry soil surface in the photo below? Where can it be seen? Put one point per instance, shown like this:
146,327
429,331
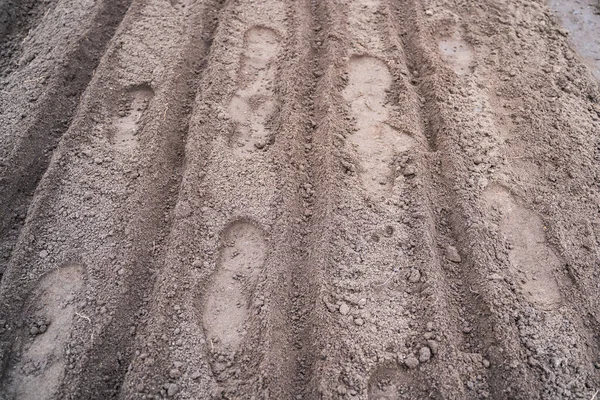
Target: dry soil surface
299,199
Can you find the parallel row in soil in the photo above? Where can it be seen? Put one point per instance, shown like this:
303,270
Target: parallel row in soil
118,168
373,199
39,97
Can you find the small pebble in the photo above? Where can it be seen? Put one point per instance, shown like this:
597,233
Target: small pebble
452,254
415,276
410,171
411,362
195,375
172,390
359,321
434,346
344,309
424,354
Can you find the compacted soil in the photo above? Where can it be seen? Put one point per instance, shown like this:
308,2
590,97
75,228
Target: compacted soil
299,199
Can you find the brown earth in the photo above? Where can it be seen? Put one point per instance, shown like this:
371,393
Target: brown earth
299,199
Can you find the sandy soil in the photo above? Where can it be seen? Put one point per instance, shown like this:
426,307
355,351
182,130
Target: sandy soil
299,199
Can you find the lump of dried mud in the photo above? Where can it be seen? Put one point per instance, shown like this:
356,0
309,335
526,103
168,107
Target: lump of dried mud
411,362
433,345
410,171
415,276
424,354
344,309
452,254
172,389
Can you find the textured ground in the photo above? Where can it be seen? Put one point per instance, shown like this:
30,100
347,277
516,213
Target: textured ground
299,199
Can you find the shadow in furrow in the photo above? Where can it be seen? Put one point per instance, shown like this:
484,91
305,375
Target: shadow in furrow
301,300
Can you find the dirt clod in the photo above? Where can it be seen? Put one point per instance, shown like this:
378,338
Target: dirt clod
411,362
434,346
452,254
415,276
344,309
172,389
424,354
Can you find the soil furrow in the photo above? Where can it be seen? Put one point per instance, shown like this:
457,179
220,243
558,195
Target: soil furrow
143,172
371,224
316,167
229,331
283,199
51,98
291,317
159,181
477,337
495,345
472,327
522,342
562,324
